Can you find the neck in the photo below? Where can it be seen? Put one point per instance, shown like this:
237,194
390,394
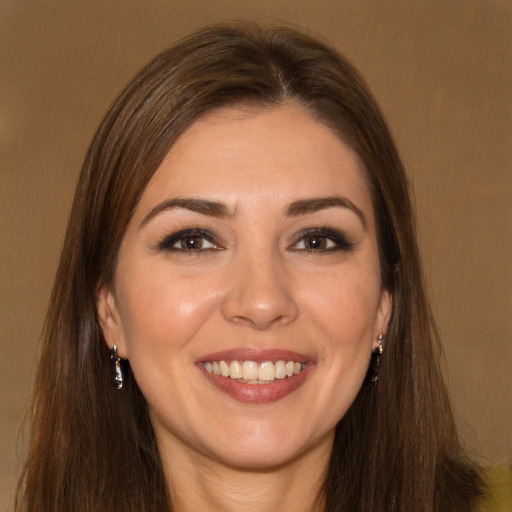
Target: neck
200,483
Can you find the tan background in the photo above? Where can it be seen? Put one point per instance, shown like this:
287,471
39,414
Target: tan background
441,70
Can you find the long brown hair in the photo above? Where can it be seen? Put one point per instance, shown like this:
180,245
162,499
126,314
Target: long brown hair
92,447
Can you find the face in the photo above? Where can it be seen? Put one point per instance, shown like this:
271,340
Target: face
247,292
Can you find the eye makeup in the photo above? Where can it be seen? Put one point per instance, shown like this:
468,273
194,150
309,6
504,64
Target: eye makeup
319,240
190,240
316,240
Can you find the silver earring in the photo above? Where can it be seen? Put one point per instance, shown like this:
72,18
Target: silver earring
380,339
375,365
118,372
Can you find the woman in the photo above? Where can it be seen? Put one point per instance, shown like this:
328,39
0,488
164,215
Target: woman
238,319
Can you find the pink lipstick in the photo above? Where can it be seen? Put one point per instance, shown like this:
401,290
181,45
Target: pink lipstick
255,376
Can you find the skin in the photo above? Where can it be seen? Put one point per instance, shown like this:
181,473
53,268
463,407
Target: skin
254,286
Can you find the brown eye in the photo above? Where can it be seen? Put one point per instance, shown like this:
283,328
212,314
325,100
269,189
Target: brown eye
192,243
321,240
312,243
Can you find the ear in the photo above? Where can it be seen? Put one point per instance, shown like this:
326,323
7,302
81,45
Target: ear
110,320
383,315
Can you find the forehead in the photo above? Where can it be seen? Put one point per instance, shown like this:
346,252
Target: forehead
279,154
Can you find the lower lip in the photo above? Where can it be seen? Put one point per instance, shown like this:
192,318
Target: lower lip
258,393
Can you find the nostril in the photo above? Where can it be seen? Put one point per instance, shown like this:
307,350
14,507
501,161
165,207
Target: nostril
260,293
260,323
260,312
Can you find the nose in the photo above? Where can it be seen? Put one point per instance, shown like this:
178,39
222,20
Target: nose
261,294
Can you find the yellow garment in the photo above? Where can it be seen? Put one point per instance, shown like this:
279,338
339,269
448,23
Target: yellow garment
499,481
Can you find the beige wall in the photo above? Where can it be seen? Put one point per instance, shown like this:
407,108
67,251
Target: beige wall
441,70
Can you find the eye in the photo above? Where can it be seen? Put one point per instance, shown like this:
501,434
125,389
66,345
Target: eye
321,240
315,243
190,240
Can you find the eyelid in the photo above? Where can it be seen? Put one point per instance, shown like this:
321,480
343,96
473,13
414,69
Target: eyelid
168,241
337,237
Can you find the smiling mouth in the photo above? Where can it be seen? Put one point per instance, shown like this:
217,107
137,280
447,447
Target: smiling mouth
252,372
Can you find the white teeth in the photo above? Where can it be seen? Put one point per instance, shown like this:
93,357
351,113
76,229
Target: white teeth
266,371
251,372
280,367
235,370
224,368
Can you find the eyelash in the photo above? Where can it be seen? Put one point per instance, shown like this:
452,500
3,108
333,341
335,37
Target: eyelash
338,238
322,235
169,242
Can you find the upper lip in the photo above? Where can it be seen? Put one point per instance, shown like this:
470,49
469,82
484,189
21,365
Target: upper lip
256,355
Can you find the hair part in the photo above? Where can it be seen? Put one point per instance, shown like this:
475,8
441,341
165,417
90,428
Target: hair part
92,446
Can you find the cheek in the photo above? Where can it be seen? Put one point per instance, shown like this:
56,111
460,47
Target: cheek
159,310
344,305
343,313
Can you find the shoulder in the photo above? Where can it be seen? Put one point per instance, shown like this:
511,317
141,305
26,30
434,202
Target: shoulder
499,483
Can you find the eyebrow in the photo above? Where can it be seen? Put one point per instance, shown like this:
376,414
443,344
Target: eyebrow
216,209
203,206
304,206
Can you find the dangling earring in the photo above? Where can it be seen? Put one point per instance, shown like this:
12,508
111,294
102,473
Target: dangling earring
118,372
375,367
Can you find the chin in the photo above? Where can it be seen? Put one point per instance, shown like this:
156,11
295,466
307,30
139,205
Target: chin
262,459
261,447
